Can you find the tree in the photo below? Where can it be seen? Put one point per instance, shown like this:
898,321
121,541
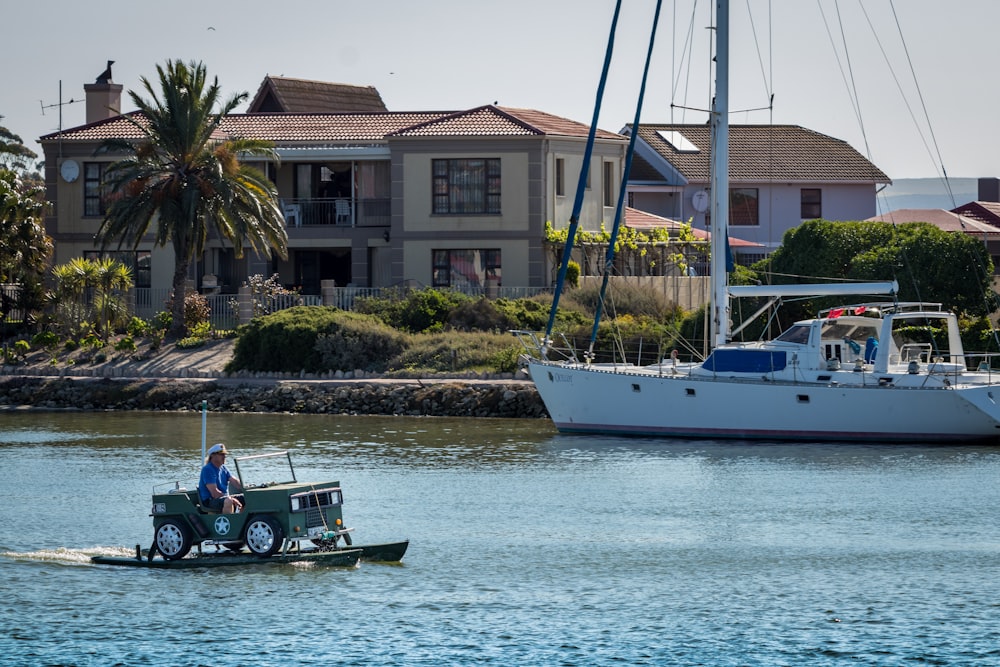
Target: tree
86,289
930,264
14,155
190,178
24,246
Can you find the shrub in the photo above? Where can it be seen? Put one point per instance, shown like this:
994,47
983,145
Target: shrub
196,310
92,341
358,342
418,311
45,339
457,351
286,340
161,321
479,315
125,344
573,274
138,327
19,350
189,342
533,313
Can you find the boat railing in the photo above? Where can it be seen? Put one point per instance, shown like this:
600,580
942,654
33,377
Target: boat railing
539,347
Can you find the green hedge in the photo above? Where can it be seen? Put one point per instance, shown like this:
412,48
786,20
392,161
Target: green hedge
312,339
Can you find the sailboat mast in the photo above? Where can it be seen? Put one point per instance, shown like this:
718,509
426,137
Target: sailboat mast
720,178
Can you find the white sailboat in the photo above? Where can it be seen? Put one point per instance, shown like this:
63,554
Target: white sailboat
845,375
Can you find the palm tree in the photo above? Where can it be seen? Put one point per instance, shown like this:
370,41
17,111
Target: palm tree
90,289
112,279
188,175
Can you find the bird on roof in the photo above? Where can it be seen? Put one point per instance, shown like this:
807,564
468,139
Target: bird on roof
105,76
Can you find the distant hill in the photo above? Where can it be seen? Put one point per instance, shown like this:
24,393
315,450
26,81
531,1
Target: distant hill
927,193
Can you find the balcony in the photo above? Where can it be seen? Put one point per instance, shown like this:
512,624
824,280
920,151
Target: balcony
339,212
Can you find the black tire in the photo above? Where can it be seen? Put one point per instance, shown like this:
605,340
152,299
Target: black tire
263,536
173,539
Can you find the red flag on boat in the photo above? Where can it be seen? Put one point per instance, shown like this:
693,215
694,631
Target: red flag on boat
859,310
835,313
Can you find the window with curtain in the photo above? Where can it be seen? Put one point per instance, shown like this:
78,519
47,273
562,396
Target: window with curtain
466,268
466,186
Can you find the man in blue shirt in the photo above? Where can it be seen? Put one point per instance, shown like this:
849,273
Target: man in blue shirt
213,487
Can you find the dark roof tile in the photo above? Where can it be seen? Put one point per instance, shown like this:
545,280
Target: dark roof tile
765,152
278,94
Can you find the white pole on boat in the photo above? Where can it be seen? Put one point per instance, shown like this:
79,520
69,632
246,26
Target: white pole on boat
204,427
720,178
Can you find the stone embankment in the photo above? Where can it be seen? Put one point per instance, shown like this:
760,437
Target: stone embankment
180,379
444,398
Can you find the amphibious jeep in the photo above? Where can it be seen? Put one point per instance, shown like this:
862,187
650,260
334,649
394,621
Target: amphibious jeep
276,516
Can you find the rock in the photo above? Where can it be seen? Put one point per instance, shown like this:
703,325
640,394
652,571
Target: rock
451,398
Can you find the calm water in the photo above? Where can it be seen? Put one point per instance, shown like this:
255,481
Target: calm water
527,548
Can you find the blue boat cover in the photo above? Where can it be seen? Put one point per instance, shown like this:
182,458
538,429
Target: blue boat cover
745,361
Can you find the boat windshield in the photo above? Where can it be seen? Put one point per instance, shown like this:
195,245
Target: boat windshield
798,333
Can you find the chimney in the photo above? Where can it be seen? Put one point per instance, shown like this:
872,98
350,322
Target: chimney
989,189
104,97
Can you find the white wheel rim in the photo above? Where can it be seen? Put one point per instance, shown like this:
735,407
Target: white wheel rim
260,537
169,539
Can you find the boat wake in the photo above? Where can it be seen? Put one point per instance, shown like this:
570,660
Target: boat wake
67,556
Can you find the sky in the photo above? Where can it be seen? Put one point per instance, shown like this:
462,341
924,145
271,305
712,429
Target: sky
906,84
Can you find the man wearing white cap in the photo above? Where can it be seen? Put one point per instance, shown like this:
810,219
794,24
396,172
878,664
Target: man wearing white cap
213,487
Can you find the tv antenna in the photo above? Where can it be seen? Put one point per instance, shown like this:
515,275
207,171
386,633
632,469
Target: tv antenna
60,104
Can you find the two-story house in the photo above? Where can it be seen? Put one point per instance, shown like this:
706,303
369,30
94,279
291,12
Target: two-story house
779,175
370,197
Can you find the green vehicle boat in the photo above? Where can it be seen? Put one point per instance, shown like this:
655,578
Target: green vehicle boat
281,521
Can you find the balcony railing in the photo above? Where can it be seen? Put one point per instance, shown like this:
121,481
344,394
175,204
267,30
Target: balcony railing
342,212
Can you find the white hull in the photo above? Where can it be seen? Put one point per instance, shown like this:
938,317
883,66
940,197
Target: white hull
640,402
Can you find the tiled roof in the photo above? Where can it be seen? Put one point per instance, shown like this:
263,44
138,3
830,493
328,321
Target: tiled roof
765,152
493,121
281,128
324,127
984,211
278,94
318,128
637,219
940,218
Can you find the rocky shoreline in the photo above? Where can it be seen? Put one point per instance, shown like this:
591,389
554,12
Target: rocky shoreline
440,398
175,379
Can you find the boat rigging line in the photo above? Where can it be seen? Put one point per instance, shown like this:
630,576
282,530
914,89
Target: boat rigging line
609,260
574,220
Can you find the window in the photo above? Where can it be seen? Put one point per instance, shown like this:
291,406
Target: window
466,268
139,261
812,203
466,186
743,209
94,204
560,177
609,183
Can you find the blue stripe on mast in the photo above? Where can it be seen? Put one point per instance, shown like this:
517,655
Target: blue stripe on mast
610,256
574,220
